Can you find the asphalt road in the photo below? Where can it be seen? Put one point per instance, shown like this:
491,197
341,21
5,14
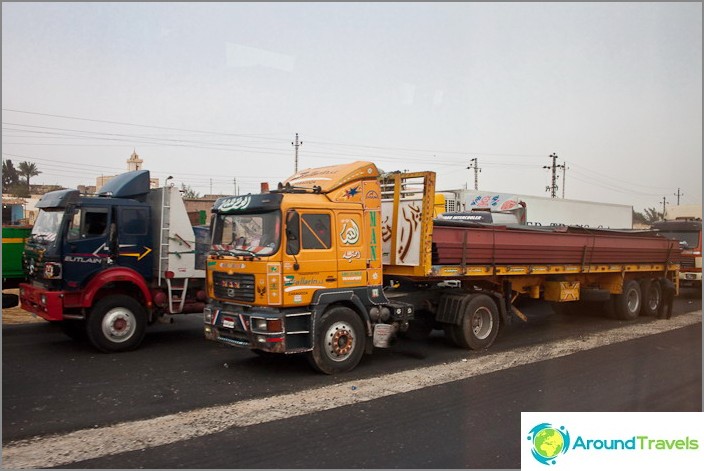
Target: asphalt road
52,385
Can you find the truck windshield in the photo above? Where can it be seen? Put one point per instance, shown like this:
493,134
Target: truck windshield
46,227
257,234
688,240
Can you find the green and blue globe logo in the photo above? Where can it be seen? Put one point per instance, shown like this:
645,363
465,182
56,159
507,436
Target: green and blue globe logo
549,442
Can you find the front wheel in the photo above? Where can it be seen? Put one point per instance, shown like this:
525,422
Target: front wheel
339,341
116,324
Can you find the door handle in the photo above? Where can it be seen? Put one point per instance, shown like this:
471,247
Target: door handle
330,279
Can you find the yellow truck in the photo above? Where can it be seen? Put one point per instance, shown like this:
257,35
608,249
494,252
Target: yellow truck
339,260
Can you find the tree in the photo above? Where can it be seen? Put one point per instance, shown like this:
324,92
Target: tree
188,192
28,170
648,217
10,177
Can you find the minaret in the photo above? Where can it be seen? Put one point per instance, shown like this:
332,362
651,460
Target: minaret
134,162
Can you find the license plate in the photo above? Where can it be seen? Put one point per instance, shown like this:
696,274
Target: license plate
228,323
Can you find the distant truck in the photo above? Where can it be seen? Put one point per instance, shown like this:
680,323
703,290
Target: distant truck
684,223
542,211
104,267
340,260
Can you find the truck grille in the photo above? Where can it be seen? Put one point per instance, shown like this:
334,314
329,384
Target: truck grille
686,263
239,287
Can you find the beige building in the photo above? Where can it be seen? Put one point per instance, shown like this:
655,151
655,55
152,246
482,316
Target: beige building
133,163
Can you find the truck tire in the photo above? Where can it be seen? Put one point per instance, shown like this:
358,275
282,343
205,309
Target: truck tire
117,323
479,326
652,297
339,341
627,304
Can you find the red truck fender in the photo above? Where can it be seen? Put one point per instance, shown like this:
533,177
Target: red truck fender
116,274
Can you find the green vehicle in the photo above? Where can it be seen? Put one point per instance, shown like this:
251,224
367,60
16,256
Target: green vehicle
13,237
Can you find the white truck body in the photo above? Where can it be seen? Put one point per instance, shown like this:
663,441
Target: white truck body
175,240
544,211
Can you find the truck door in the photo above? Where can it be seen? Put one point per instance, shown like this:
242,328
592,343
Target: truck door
134,241
352,250
85,250
310,262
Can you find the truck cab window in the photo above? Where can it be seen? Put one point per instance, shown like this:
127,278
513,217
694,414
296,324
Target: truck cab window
134,221
87,223
315,230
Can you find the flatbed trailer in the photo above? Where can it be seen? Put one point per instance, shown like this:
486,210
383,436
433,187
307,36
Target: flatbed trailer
360,258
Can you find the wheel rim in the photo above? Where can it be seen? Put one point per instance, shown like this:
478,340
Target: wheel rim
632,301
653,298
119,324
482,323
340,341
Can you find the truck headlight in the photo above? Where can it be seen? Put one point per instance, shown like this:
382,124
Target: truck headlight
208,315
259,325
42,299
52,270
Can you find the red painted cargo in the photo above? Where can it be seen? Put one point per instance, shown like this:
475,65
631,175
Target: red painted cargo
455,243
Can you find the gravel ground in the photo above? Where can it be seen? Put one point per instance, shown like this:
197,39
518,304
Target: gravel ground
16,315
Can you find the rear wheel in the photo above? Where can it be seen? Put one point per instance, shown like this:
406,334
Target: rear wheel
480,324
339,341
117,323
627,304
652,297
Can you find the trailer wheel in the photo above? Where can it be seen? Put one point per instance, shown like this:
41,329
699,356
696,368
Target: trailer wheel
652,297
627,304
339,341
117,323
480,324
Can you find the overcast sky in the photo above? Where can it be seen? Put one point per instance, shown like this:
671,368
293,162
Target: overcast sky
213,93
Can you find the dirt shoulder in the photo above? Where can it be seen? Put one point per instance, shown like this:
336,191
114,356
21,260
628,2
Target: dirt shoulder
16,315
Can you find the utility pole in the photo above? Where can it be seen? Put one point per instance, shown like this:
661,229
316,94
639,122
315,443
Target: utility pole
678,194
553,187
564,176
296,145
475,165
234,183
211,186
663,207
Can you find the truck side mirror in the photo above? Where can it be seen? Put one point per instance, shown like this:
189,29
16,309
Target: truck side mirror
292,233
